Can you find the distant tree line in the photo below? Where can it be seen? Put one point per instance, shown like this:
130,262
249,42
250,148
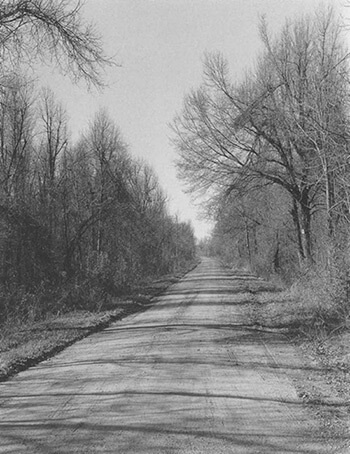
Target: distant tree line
272,150
79,222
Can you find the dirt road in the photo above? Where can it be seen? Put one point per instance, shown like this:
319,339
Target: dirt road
189,375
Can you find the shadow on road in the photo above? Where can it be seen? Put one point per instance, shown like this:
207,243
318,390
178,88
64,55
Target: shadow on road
190,375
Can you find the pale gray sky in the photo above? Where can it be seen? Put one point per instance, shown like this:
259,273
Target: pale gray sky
160,45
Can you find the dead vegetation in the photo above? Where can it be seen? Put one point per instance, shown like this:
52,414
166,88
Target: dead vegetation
313,314
30,337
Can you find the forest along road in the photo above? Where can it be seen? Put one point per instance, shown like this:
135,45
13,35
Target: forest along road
189,375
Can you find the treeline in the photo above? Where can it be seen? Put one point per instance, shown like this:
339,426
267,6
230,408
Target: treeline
272,150
79,221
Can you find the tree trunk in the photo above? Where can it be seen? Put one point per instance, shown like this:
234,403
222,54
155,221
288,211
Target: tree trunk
301,215
248,244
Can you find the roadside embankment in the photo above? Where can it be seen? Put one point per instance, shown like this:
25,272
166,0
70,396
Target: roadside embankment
24,344
324,347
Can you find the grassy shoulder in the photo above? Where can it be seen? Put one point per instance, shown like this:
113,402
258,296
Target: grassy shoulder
25,344
322,337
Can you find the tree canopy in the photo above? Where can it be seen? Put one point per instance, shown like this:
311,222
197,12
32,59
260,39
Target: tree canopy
285,124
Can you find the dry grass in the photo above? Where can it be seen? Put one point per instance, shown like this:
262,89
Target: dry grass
23,345
313,314
25,341
314,307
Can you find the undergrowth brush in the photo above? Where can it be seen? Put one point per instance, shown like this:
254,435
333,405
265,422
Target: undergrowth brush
322,296
315,306
37,324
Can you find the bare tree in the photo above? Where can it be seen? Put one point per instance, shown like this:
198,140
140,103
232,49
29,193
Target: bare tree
54,32
53,142
279,126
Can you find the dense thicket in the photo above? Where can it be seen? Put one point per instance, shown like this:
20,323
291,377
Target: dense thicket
273,150
82,219
78,222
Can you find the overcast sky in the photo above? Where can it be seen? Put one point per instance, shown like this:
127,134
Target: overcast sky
160,45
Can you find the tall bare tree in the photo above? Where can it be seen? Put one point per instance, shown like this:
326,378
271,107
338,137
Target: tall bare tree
283,125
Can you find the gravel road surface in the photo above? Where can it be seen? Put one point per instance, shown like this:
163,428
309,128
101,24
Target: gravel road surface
189,375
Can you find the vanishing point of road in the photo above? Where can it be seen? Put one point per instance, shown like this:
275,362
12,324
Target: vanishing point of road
189,375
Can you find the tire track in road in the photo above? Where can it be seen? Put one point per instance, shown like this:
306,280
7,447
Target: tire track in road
189,375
